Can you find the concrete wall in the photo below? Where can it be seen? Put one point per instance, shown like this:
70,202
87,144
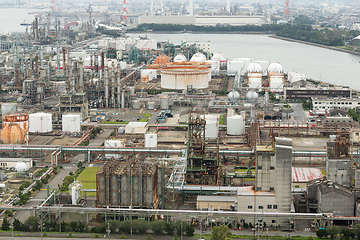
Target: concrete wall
338,171
337,204
265,171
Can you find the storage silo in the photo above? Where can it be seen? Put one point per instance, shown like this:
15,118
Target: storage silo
40,122
211,126
151,140
235,125
136,104
276,83
164,102
150,105
179,77
71,123
15,128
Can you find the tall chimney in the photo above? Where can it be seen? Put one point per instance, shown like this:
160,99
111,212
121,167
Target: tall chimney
81,76
191,8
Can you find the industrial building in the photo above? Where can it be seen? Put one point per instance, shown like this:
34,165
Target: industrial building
7,163
301,176
331,103
308,93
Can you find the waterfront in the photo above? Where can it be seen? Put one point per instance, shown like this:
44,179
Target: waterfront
315,62
10,19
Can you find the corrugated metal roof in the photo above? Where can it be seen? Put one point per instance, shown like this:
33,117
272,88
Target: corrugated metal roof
305,174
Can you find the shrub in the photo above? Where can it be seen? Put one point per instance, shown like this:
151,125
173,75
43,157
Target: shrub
157,227
321,233
96,235
5,225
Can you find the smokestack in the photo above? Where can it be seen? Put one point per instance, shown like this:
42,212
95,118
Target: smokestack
58,59
106,88
118,75
152,7
124,16
228,6
191,8
102,61
113,85
96,63
81,76
162,6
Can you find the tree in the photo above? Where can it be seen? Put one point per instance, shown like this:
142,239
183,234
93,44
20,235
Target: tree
321,233
219,233
80,164
333,231
157,227
32,224
142,226
189,230
169,228
8,213
5,225
17,225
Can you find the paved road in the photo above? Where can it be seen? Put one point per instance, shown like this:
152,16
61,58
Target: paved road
41,195
299,114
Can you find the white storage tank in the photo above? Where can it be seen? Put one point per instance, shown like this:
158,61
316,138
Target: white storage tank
247,61
180,58
198,57
264,65
275,68
7,108
40,122
151,140
255,83
179,77
215,65
164,102
236,66
211,128
254,67
136,104
151,105
71,123
276,84
235,125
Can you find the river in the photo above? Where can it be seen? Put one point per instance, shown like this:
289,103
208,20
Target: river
315,62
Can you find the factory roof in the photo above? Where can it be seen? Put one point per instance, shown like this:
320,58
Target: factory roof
15,159
137,124
326,187
305,174
217,198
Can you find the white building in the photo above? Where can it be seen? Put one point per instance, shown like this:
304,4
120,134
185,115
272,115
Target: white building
136,128
330,103
11,162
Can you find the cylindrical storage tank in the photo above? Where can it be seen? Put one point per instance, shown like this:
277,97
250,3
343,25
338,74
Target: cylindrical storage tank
151,140
235,66
235,125
136,104
40,122
247,61
255,83
71,123
151,105
276,84
15,128
179,77
164,102
7,108
211,128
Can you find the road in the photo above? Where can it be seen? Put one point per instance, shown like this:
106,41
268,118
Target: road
299,114
41,195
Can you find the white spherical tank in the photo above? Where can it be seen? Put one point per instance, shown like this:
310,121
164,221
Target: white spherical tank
233,96
252,97
71,123
136,104
179,77
151,105
164,102
198,57
180,58
264,65
275,67
151,140
40,122
254,67
235,125
21,167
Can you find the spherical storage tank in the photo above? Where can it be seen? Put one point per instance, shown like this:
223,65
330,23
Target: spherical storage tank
180,58
233,96
14,128
198,57
275,67
235,125
40,122
162,59
254,67
71,123
21,167
179,77
252,97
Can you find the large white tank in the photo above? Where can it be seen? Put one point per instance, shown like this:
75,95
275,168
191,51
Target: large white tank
164,102
7,108
247,61
40,122
151,140
71,123
233,96
136,104
215,65
275,68
235,125
179,77
254,67
198,57
276,84
211,128
255,83
252,97
180,58
74,191
151,105
264,65
236,66
21,167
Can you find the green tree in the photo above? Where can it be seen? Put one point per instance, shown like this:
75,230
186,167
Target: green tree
8,213
80,164
32,224
346,233
157,227
17,225
142,226
333,231
125,227
321,233
219,233
5,225
169,228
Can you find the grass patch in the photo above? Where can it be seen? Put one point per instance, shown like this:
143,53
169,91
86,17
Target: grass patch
221,120
88,179
323,172
143,120
116,122
147,115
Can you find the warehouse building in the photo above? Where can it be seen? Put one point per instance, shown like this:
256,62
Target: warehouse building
307,93
301,176
331,103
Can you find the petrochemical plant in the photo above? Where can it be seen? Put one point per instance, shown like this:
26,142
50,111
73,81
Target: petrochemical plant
172,130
